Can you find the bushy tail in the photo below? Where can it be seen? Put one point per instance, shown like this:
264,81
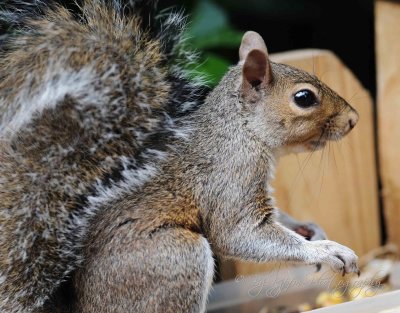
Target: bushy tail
90,94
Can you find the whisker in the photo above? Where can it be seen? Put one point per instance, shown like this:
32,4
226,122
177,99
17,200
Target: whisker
322,179
354,94
334,158
305,162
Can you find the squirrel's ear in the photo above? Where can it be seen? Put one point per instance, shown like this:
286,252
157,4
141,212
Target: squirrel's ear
254,55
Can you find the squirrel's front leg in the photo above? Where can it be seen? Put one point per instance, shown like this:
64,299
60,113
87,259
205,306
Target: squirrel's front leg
253,234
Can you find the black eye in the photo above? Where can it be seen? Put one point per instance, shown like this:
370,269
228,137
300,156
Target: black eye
305,98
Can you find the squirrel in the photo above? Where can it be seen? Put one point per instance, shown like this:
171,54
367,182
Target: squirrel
119,182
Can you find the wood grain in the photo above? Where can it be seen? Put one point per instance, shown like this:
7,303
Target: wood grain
337,187
387,15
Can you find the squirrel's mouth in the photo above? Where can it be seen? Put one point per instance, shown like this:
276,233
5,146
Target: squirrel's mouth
320,142
316,144
327,134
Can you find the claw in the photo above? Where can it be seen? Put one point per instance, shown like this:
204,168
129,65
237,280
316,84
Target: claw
344,272
358,273
318,266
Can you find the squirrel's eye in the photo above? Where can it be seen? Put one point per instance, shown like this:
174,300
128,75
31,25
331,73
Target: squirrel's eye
305,98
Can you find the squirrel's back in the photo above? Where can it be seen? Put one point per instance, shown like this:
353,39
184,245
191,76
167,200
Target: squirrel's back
88,104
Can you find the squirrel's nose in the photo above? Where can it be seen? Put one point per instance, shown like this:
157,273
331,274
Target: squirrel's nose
353,118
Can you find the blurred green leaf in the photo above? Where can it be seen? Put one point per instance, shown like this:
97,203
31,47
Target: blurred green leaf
222,38
206,18
210,29
212,68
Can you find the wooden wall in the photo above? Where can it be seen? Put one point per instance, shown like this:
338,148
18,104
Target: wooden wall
336,187
387,15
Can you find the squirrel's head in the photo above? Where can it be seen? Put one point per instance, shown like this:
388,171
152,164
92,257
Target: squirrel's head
287,107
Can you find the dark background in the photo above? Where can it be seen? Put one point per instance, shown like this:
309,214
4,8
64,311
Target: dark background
344,26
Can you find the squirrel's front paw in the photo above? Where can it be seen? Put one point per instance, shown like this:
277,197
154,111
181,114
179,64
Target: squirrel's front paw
338,257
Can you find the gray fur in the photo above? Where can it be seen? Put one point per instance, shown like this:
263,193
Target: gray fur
116,189
214,188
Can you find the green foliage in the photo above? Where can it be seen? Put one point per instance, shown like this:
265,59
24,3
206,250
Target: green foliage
208,31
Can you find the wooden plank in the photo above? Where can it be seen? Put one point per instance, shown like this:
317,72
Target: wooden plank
336,187
387,15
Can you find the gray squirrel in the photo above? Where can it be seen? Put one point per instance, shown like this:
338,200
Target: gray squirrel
118,183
